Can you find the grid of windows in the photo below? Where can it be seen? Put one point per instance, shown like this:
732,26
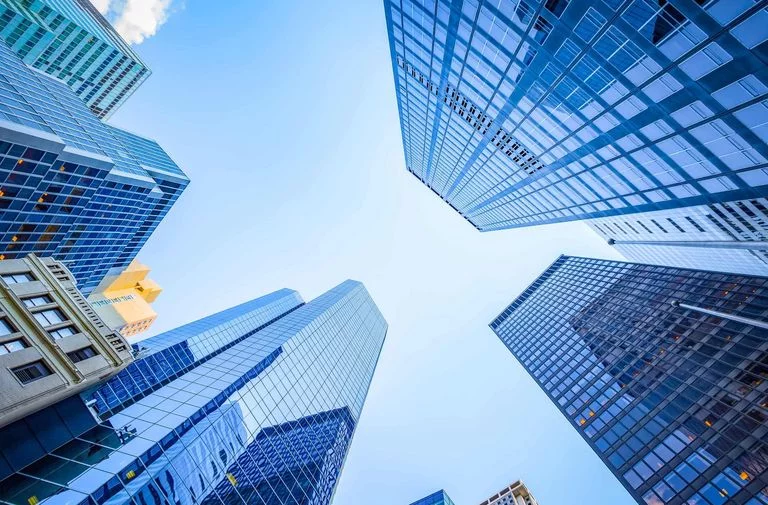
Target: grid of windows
672,399
70,40
93,215
526,112
265,414
726,237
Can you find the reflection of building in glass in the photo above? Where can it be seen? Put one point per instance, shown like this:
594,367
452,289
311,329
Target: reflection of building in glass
71,41
52,344
526,112
72,187
123,300
201,452
661,370
201,398
297,462
725,237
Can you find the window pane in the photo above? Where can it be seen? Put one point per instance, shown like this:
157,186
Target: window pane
13,345
49,317
62,332
31,372
16,278
37,301
5,327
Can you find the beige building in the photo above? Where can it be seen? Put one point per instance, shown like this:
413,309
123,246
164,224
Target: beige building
514,494
123,301
52,343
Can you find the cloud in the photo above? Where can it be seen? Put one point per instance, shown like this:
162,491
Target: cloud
101,5
135,20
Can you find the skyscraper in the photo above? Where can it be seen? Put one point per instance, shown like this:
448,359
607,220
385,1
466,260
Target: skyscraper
436,498
255,404
661,370
528,112
514,494
71,41
71,186
725,237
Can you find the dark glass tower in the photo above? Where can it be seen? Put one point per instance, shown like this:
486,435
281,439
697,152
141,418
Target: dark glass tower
254,405
71,186
525,112
661,370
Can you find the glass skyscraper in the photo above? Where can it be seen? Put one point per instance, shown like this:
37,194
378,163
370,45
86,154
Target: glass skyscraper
661,370
527,112
253,405
436,498
514,494
72,186
71,41
726,237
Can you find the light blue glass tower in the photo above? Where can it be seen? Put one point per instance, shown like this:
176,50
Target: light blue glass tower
527,112
71,41
436,498
255,404
661,370
71,186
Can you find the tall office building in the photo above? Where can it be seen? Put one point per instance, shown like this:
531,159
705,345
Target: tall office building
527,112
124,301
255,404
436,498
726,237
661,370
514,494
71,186
52,343
71,41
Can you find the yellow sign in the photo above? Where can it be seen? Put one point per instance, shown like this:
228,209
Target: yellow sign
232,479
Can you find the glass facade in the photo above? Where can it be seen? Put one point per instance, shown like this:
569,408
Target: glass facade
71,41
526,112
436,498
256,404
661,370
71,186
725,237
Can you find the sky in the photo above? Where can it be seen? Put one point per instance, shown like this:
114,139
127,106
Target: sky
284,116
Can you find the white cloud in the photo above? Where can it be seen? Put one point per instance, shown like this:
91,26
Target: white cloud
101,5
135,20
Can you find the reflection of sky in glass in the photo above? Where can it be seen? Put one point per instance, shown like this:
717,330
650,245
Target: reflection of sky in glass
96,194
518,113
292,390
634,374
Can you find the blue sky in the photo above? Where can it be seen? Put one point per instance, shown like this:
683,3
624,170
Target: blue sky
284,116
